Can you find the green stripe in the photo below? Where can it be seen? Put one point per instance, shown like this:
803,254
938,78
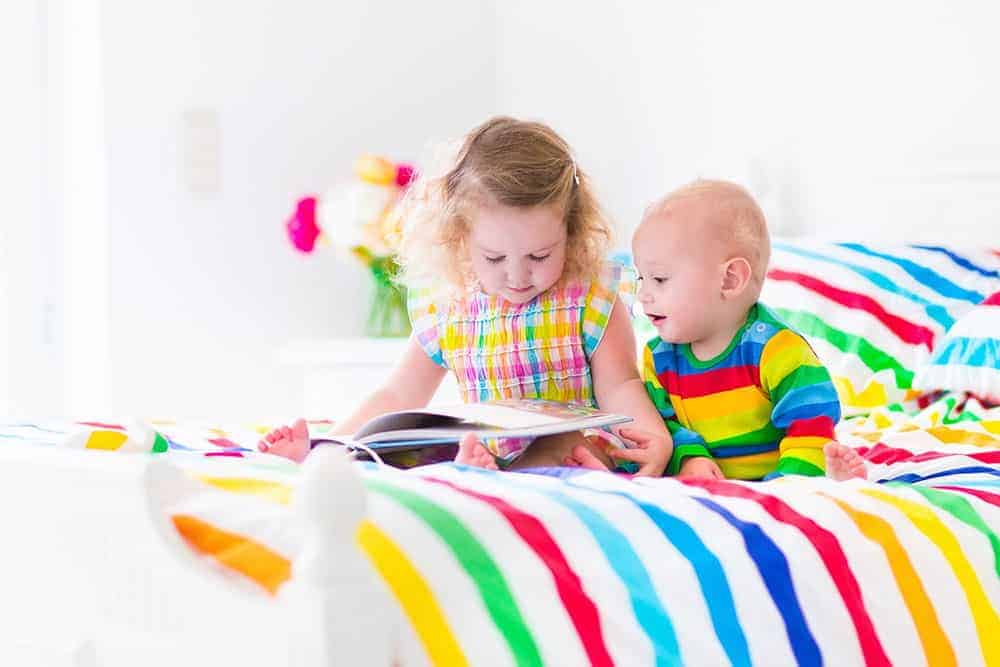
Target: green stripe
803,376
961,509
789,465
769,433
870,356
478,564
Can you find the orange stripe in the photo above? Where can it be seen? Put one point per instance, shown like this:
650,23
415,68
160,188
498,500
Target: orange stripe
935,643
236,552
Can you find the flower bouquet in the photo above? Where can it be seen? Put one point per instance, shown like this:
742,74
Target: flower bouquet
358,217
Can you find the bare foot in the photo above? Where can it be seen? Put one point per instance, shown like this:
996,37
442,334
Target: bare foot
472,453
290,442
843,463
581,457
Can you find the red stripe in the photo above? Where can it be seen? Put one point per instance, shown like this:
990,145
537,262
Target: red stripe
992,300
829,551
114,427
881,453
992,498
821,426
578,605
907,331
708,382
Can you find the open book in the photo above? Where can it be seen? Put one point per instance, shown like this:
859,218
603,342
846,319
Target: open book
440,425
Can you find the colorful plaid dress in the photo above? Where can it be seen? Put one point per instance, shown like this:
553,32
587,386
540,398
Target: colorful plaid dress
539,349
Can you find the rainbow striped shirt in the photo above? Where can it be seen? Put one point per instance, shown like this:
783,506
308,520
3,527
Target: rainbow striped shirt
763,407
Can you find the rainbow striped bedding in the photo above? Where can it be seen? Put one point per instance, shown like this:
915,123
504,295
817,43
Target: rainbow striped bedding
574,568
578,568
874,314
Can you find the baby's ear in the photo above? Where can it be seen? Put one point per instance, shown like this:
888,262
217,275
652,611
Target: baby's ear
735,278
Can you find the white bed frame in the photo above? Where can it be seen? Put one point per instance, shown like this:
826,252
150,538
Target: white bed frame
95,575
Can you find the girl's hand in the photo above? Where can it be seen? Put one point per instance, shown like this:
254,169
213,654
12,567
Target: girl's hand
651,452
700,467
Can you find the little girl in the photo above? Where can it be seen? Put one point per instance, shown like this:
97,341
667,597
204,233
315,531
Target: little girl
504,257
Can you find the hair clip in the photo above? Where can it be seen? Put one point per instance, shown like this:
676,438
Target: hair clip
576,177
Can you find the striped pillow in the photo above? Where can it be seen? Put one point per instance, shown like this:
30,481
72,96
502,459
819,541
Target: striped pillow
968,359
873,314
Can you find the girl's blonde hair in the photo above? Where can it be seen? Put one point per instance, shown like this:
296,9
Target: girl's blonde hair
507,162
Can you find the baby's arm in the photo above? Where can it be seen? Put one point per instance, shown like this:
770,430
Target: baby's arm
411,384
805,403
618,388
691,457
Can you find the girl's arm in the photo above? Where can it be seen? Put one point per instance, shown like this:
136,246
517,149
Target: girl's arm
618,388
411,384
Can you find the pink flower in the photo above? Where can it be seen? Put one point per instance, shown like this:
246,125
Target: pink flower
405,173
301,226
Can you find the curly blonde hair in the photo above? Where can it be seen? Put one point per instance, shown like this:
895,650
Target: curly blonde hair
507,162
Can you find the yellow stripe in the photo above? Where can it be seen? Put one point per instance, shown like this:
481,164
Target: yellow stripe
414,594
873,396
937,648
991,426
952,435
784,353
106,440
808,454
810,442
724,403
236,552
272,491
752,466
985,617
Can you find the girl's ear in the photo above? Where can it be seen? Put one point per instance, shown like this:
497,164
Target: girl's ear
735,277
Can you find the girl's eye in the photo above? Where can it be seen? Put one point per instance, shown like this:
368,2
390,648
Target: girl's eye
659,281
495,260
536,258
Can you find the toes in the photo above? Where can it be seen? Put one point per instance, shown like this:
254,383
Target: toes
300,430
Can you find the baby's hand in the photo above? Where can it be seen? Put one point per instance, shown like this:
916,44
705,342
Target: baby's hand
651,452
700,467
290,442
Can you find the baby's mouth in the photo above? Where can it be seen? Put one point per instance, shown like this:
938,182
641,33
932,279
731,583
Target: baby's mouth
656,319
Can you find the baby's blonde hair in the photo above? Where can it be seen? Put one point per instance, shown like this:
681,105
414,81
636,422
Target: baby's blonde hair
507,162
736,220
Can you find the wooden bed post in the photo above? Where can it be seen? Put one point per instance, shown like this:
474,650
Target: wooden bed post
331,578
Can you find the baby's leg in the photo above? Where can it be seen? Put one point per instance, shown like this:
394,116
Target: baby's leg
564,449
292,442
843,463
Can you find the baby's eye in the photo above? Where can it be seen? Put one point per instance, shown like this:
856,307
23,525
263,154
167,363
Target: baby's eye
496,260
536,258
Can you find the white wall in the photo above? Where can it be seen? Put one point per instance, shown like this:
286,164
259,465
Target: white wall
850,119
205,288
29,354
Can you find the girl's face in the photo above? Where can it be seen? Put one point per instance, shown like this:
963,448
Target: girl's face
518,253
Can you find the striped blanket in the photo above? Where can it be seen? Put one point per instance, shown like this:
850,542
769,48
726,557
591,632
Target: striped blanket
575,568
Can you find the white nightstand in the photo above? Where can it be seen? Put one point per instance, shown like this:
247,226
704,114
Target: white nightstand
339,373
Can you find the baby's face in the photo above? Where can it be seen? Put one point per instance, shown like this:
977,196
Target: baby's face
680,275
518,253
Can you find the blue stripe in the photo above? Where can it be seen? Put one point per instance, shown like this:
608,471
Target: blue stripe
936,282
983,352
652,617
936,312
729,451
958,259
773,568
707,568
912,477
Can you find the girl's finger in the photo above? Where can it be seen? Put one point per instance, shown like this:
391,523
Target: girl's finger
637,455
